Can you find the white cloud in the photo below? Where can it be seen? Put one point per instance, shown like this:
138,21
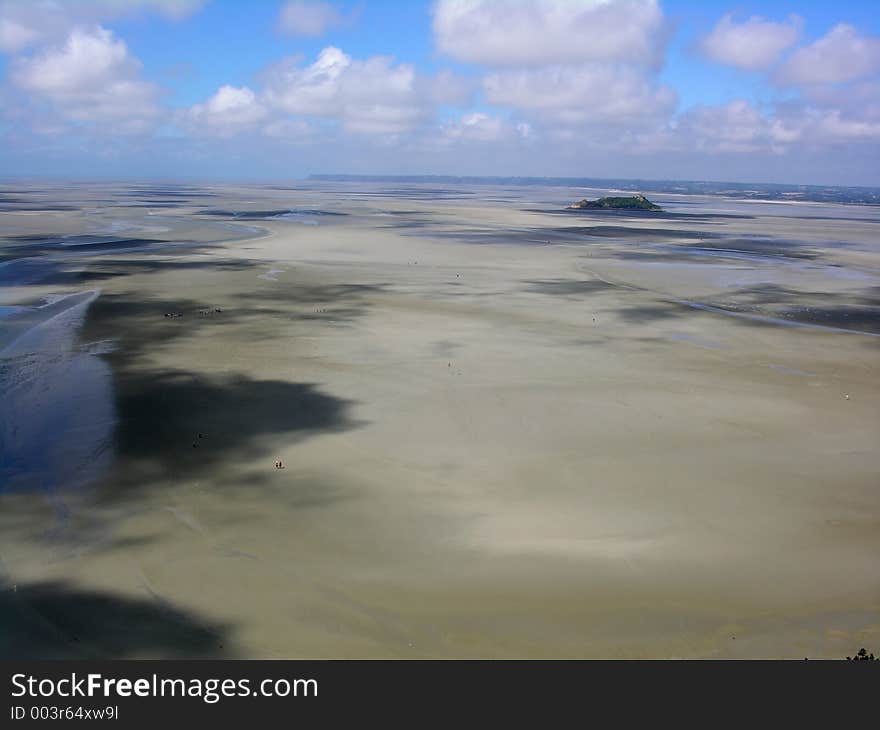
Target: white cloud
581,94
843,54
737,126
290,130
25,23
314,89
482,127
450,88
832,109
91,77
89,60
754,44
740,127
308,18
530,32
832,125
14,36
821,126
232,109
563,66
373,96
580,76
856,98
478,125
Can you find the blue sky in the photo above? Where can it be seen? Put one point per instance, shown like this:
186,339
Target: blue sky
762,91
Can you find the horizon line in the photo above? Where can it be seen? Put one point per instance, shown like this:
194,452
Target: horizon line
411,177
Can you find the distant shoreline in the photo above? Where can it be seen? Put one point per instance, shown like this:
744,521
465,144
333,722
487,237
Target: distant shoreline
772,192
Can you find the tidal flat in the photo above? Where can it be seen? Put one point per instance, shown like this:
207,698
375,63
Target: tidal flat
508,430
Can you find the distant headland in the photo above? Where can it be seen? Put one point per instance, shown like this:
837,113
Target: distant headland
635,202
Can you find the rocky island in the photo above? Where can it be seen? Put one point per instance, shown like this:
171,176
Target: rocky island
636,202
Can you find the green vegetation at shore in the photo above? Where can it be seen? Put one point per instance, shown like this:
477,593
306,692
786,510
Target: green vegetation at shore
637,202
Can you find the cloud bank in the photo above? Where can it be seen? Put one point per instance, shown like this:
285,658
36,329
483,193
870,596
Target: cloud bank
556,86
755,44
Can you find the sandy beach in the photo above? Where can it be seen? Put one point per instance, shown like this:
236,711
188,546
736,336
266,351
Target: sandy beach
509,430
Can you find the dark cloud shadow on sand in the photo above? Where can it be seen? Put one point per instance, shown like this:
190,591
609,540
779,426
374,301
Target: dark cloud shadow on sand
46,271
170,426
173,424
772,306
177,423
568,287
56,620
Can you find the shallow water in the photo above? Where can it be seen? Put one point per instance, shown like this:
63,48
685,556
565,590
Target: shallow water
58,410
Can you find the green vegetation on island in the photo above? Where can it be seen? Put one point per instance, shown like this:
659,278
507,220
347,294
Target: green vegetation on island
637,202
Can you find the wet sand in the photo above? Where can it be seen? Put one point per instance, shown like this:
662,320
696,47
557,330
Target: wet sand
508,431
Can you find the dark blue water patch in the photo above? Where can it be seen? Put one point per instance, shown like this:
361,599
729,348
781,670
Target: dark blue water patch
30,316
92,243
9,310
58,414
382,211
712,248
851,219
763,251
550,235
269,214
615,213
140,204
151,201
62,260
29,270
14,207
21,247
170,192
560,209
51,271
844,322
630,232
77,241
